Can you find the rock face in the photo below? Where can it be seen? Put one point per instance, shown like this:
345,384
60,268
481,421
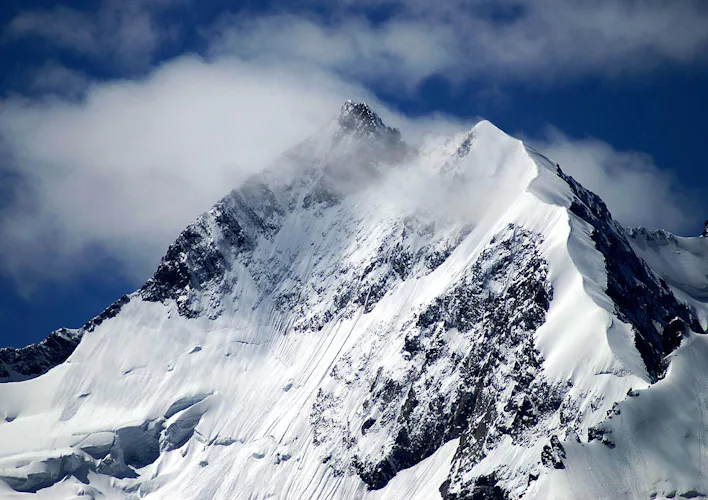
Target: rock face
359,119
486,385
36,359
203,253
367,319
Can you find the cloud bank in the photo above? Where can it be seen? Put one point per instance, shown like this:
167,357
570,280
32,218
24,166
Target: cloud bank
128,166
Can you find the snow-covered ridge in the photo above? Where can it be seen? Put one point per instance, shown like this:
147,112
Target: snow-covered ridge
364,319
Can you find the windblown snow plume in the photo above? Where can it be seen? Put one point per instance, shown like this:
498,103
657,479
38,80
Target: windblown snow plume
366,319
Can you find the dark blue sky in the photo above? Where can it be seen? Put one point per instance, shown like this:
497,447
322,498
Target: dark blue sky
658,110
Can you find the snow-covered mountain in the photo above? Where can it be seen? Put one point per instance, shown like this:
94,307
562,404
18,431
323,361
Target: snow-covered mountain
369,320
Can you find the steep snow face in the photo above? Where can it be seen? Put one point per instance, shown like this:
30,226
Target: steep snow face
367,320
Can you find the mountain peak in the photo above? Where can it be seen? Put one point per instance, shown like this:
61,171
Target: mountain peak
358,117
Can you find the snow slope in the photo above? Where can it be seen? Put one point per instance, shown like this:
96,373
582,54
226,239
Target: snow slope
370,320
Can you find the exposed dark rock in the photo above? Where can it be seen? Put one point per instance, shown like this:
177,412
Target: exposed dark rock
601,434
358,118
614,411
190,262
367,425
205,251
37,359
394,262
464,148
110,312
553,454
674,333
444,488
484,488
323,193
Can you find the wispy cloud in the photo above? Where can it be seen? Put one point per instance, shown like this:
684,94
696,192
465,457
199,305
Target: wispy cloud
124,33
64,26
54,78
635,189
546,41
397,53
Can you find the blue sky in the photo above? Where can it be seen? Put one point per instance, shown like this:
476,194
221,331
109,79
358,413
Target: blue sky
120,121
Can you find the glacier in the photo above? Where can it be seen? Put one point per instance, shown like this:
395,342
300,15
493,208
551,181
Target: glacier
367,319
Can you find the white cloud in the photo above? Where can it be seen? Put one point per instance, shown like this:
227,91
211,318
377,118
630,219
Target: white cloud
552,38
118,173
546,41
126,168
635,189
122,32
398,52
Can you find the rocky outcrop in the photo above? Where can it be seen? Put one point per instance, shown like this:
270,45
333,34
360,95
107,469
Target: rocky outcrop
36,359
360,119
